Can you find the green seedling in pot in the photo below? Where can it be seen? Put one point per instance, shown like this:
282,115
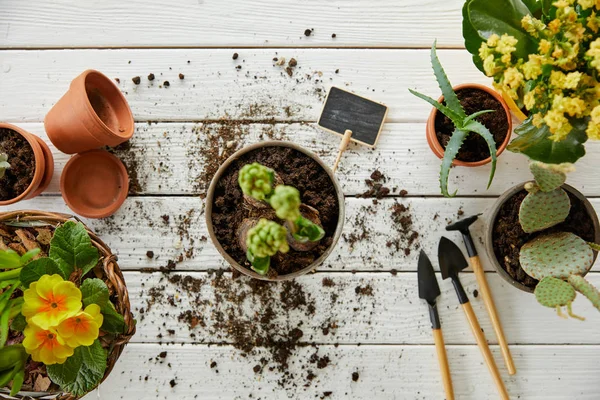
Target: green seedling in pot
12,367
464,124
559,259
264,240
4,165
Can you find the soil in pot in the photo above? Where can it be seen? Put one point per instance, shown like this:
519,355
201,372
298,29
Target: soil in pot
22,164
475,147
508,236
296,169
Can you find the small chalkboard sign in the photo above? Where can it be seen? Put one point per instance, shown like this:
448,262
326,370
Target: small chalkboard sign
345,111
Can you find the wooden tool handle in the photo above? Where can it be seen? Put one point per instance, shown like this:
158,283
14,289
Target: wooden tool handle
485,350
491,309
443,360
343,146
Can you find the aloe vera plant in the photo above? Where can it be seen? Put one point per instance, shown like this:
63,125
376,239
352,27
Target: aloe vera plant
4,165
558,259
464,124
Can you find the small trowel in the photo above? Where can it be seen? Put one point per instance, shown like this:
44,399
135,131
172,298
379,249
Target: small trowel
429,291
452,261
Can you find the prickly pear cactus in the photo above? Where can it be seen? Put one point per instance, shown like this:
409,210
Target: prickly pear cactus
550,176
586,289
557,254
553,292
594,246
541,210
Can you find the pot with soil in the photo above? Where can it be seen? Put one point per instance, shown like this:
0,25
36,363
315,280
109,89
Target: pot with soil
274,211
542,237
26,165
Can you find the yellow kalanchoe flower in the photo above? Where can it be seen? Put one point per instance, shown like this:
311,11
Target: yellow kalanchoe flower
594,53
50,301
585,4
83,328
559,125
45,345
506,44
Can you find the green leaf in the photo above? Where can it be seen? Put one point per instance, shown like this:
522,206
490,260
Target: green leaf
66,373
25,258
482,131
307,230
450,97
19,323
455,118
17,382
534,6
534,142
472,39
71,248
33,271
113,321
456,141
261,265
594,246
477,114
9,259
94,291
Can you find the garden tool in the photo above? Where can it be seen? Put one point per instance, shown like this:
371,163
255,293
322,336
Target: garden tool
429,290
452,261
463,227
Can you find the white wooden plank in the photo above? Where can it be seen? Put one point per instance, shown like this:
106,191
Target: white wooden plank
210,23
385,372
138,227
213,88
392,314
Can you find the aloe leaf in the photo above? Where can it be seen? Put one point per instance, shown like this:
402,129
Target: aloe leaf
477,114
454,117
482,131
449,96
456,141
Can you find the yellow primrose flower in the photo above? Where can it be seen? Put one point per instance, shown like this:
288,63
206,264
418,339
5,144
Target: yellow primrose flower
559,125
506,44
45,346
50,301
83,328
513,78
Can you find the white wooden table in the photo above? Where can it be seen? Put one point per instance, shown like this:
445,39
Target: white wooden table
380,49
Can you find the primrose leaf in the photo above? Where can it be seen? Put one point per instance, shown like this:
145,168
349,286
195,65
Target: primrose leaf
456,141
71,248
19,323
482,131
66,373
9,259
25,258
94,291
84,373
113,321
33,271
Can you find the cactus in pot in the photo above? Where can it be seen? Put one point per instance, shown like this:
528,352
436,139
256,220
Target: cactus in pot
559,259
4,165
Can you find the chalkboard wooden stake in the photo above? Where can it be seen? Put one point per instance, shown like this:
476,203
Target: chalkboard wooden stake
343,146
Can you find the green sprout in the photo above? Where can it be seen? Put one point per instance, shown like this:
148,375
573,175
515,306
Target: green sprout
264,240
463,124
256,181
4,165
12,367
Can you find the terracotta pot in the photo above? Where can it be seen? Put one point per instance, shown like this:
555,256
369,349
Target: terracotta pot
92,114
44,165
437,148
210,199
492,213
513,107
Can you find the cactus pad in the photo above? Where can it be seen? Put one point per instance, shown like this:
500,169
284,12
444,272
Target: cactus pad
552,292
586,289
558,254
541,210
550,176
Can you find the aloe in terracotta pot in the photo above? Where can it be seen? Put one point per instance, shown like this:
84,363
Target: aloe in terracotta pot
469,138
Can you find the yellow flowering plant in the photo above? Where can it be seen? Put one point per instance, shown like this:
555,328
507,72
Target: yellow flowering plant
544,55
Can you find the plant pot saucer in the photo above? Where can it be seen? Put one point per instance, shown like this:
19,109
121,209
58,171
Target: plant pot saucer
94,184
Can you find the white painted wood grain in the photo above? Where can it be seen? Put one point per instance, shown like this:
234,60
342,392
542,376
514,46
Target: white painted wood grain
385,372
213,88
393,315
212,23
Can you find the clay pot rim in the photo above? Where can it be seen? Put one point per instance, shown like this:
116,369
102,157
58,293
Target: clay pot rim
437,148
121,135
103,212
491,220
210,198
40,163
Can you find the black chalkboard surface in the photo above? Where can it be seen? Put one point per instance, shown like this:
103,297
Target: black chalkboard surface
345,110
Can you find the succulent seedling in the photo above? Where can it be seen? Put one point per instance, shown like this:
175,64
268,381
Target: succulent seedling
264,240
4,165
464,125
559,259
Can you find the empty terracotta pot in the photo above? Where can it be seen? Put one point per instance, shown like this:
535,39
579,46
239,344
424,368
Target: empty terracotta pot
44,165
94,184
438,149
92,114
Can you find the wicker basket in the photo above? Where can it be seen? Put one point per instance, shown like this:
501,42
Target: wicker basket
112,277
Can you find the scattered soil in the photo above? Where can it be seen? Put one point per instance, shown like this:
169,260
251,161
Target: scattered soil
21,158
508,237
308,32
407,237
166,84
474,147
235,56
181,76
375,185
296,169
136,80
355,376
151,77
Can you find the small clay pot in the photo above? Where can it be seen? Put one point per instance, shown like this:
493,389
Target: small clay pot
438,149
94,184
92,114
210,199
490,219
44,165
